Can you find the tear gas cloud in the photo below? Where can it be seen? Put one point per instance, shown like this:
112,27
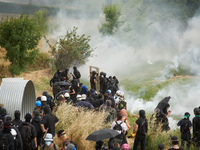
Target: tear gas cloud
168,43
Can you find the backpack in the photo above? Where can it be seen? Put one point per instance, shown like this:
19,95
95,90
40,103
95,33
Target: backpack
184,126
26,135
121,104
4,142
37,125
77,74
118,127
143,127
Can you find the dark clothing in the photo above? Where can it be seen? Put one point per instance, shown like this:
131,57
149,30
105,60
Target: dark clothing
16,122
110,97
36,122
33,133
92,83
18,141
140,137
10,138
112,113
49,120
196,130
90,100
98,103
85,104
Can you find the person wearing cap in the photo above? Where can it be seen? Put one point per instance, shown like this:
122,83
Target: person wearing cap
26,124
49,145
196,127
125,146
5,133
16,122
175,143
185,127
161,146
49,121
141,127
83,103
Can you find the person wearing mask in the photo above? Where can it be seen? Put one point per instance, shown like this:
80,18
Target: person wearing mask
7,137
16,122
175,143
185,127
49,145
161,146
141,127
49,121
93,80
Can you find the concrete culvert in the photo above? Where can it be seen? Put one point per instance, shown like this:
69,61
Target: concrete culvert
17,94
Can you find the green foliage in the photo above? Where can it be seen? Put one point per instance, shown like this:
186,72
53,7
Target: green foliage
19,36
111,23
72,49
40,18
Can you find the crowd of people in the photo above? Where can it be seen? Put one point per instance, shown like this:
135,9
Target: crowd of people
38,128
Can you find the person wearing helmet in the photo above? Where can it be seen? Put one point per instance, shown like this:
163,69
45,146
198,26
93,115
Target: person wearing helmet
196,127
67,98
186,126
37,107
43,101
93,80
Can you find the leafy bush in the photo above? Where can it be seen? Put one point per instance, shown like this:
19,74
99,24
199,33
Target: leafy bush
111,23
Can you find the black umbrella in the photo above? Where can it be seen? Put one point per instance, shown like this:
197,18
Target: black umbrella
102,134
163,103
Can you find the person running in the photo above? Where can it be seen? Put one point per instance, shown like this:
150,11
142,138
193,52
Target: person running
175,143
186,126
141,127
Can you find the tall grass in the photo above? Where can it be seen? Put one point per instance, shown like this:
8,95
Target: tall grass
78,124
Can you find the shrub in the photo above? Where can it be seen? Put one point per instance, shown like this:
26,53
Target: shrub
78,125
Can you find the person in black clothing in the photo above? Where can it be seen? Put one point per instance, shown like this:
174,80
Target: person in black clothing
93,80
49,121
33,133
113,88
64,75
110,97
5,134
3,112
77,74
16,122
186,126
141,127
116,82
196,127
89,98
56,78
17,138
36,122
175,143
105,86
98,102
50,101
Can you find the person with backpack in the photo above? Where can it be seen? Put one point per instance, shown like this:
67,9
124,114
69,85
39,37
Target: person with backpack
122,104
185,127
16,122
36,122
141,127
49,121
28,133
6,138
77,74
196,127
37,108
50,101
49,145
121,128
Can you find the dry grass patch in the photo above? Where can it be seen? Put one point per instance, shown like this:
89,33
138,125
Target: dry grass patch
79,124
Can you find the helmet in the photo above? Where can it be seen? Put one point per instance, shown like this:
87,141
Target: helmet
122,94
118,92
78,97
38,103
66,95
43,98
108,91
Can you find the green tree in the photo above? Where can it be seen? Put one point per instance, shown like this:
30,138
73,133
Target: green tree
72,49
111,23
20,37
